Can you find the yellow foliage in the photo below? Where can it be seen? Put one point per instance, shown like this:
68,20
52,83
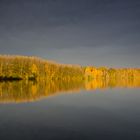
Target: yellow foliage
34,69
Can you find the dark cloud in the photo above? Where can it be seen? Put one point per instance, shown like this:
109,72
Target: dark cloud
106,29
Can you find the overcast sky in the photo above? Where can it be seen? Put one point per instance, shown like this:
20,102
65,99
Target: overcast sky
86,32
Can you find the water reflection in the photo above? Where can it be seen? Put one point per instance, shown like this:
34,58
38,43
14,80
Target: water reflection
112,83
27,91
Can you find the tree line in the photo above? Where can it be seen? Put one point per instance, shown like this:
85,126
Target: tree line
34,68
112,73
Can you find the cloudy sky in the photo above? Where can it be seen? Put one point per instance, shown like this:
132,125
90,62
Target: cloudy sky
86,32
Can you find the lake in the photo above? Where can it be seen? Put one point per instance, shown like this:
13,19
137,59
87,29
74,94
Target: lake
83,110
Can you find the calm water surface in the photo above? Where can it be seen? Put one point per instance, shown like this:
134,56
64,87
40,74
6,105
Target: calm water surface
76,111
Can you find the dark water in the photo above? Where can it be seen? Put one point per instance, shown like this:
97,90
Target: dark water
78,113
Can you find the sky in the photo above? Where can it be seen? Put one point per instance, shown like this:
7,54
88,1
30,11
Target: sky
85,32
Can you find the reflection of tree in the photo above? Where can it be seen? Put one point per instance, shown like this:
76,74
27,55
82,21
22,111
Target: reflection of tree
101,83
25,91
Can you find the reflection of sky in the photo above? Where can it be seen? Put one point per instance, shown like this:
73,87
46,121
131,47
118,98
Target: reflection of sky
85,32
107,113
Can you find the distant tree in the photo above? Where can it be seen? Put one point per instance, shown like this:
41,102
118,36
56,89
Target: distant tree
34,71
